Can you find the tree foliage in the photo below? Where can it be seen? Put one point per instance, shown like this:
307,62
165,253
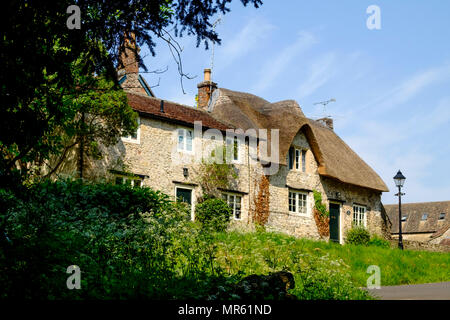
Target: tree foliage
45,66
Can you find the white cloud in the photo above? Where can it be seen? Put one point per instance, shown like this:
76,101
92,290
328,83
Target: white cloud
408,89
320,71
276,65
251,36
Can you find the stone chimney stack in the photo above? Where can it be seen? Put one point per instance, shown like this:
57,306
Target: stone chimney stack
328,122
205,89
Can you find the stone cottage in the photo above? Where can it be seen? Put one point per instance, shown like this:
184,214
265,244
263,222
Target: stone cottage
423,221
279,155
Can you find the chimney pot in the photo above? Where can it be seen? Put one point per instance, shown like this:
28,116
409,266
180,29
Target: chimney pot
161,109
207,75
205,90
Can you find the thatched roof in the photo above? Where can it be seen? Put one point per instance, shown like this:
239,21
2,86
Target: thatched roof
335,158
414,213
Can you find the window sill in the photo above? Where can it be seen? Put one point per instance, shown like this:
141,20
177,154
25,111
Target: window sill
295,214
137,141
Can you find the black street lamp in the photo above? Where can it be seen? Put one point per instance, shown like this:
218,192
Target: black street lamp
399,181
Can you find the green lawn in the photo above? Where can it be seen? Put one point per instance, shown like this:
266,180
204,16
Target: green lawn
264,252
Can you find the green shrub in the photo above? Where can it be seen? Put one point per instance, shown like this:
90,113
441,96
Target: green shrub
213,214
319,205
128,242
358,236
376,241
318,277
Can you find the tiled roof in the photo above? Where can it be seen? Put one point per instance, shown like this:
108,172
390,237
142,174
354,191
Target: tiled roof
173,111
415,211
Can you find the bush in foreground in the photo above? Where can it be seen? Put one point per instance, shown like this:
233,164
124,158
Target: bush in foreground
358,236
213,213
128,243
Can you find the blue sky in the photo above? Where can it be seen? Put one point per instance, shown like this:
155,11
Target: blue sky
392,86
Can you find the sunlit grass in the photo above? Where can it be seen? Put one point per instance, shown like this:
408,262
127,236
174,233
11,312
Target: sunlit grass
267,252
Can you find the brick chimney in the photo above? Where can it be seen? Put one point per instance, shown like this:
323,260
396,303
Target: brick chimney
129,64
205,89
128,60
328,122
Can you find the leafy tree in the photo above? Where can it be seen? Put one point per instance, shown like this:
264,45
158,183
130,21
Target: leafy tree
46,66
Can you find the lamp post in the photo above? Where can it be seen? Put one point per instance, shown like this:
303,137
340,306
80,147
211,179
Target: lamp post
399,181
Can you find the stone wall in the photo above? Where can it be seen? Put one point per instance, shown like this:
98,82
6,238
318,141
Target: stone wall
332,191
418,245
155,157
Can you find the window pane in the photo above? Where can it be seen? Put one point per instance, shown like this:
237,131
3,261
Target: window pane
237,211
188,140
303,160
292,202
235,149
134,135
180,139
297,159
302,202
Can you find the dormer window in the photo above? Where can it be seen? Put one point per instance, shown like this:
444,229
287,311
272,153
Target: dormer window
297,159
404,218
424,217
442,216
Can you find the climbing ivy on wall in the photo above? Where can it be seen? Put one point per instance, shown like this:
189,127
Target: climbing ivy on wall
321,215
261,203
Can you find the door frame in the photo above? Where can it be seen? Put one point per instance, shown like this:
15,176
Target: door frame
340,218
187,187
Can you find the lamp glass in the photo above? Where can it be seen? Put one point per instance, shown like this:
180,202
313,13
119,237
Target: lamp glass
399,179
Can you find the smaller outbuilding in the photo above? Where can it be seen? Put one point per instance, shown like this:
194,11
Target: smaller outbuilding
423,221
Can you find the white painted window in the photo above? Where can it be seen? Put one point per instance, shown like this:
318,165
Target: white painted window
185,140
234,145
136,136
359,216
300,160
235,203
298,202
129,180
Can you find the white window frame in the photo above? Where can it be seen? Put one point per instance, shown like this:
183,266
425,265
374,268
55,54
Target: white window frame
184,147
229,195
187,187
130,139
359,210
132,180
299,162
294,198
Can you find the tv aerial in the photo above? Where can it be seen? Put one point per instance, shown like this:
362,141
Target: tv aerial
217,22
324,104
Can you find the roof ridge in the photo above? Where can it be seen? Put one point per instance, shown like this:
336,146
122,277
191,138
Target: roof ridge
421,202
165,100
